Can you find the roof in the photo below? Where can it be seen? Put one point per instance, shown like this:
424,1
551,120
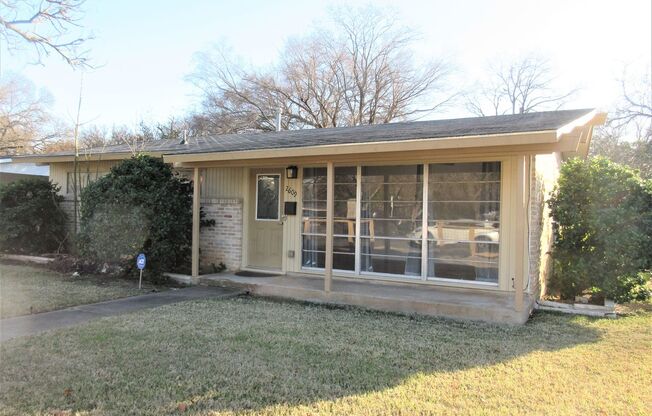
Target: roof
8,166
378,133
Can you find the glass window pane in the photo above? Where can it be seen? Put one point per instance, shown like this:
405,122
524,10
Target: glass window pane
313,225
463,211
344,191
464,231
267,197
464,172
390,247
314,191
314,175
313,253
404,267
392,174
465,261
390,219
465,191
314,209
388,255
345,174
343,261
344,209
464,221
410,191
390,228
392,210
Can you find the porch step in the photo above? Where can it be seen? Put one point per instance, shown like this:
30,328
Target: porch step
465,304
226,282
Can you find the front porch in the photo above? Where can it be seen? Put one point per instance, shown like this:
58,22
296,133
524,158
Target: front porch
406,298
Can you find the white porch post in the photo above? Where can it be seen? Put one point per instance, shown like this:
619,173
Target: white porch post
330,188
195,223
522,243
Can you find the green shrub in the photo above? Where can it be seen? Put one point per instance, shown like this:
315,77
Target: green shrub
604,216
30,217
140,206
633,288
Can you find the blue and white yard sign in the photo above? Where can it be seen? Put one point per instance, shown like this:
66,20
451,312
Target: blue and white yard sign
140,261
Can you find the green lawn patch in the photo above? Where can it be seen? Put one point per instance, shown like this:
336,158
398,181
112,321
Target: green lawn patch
254,356
27,289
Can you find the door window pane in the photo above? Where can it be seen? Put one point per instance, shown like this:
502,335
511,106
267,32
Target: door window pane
464,221
267,197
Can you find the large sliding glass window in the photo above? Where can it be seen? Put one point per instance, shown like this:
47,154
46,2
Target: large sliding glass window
464,221
390,219
313,233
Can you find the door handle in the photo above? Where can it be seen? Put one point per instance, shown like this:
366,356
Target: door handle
283,219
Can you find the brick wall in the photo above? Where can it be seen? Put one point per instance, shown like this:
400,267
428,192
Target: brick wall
67,205
219,243
543,179
223,241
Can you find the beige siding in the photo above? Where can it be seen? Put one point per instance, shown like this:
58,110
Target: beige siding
292,231
59,171
222,183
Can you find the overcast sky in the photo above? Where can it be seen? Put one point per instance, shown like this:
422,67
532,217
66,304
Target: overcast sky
144,49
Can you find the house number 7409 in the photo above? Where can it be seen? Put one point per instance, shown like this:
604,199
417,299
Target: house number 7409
291,191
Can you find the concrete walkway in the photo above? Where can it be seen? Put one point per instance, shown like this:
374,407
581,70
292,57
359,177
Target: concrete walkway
32,324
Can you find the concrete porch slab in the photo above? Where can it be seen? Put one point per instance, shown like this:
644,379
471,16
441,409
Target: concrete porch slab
455,303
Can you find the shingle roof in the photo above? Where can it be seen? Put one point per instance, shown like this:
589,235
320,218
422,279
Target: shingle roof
433,129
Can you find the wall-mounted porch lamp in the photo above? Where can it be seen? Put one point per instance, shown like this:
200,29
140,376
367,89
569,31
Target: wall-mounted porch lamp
291,172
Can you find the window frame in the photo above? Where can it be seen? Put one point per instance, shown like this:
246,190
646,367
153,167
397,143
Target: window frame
499,243
504,200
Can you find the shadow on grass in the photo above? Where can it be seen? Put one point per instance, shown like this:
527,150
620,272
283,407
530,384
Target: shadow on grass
248,354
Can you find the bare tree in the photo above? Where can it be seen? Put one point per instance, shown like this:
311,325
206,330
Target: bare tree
46,26
608,141
627,136
26,124
634,112
517,88
360,73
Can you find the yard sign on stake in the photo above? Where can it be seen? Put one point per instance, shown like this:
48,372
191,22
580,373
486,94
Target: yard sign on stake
140,262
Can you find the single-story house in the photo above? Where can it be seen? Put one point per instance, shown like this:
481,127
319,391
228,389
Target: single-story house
443,217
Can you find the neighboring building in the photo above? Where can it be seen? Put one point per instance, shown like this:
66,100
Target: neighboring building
11,171
448,214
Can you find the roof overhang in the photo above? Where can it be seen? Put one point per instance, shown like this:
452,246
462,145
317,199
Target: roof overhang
47,159
372,147
572,139
577,134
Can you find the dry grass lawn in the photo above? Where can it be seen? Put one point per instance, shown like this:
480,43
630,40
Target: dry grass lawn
26,289
254,356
